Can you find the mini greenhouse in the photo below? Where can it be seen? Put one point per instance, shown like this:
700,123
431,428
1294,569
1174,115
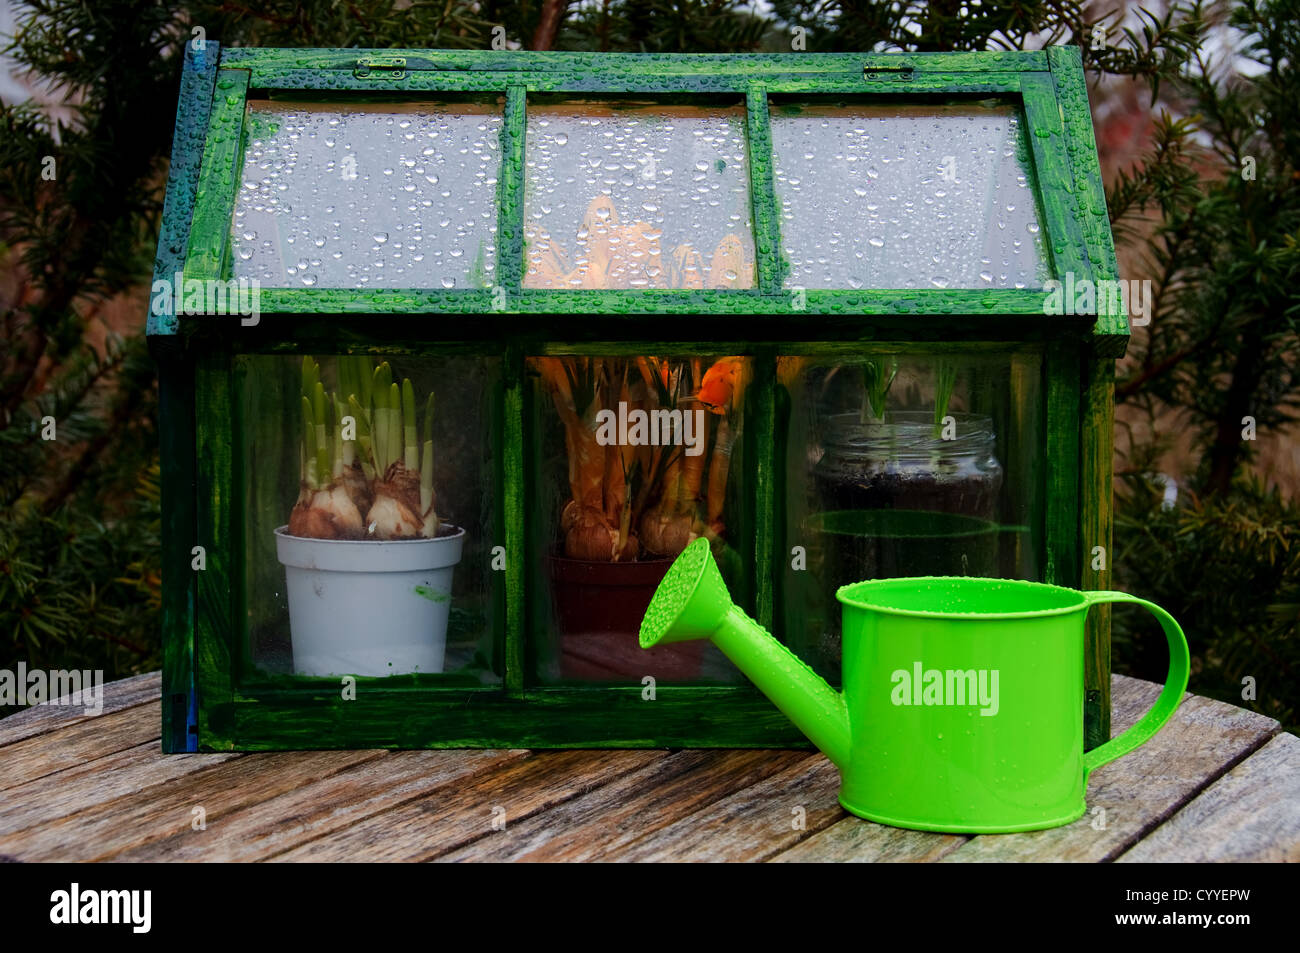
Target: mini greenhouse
458,350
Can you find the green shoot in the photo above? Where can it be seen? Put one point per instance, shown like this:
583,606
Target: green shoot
320,418
393,439
365,440
310,376
945,379
411,449
308,444
384,411
875,388
426,458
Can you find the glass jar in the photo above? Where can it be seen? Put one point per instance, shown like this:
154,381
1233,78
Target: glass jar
894,498
903,462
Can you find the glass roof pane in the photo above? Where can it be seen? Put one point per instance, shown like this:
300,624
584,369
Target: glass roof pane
368,196
896,196
645,196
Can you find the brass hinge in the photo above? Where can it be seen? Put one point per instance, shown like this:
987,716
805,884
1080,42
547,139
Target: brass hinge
380,67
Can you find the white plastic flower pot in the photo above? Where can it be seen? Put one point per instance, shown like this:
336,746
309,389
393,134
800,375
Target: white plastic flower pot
368,607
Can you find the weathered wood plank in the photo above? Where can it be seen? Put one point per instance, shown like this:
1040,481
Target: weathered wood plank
126,693
79,788
429,826
854,840
86,740
321,808
1140,790
602,823
117,775
107,828
1252,813
753,823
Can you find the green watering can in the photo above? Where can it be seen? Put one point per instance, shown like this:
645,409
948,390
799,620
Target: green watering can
962,708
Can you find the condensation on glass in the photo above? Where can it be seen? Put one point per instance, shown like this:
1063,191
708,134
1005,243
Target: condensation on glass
637,197
919,197
368,196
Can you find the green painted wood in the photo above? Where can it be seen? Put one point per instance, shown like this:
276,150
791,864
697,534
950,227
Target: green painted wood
1025,397
176,457
606,717
618,65
541,651
886,83
176,405
214,202
510,215
684,304
762,190
1096,453
513,489
213,492
767,508
1097,428
1058,134
563,333
248,435
1046,141
783,573
194,104
1090,210
1061,444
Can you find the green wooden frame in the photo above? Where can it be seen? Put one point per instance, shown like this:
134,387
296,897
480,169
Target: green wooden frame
206,704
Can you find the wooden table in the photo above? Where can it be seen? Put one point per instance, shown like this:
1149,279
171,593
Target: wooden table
1218,783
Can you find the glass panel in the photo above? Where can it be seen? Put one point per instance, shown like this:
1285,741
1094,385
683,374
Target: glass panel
368,196
903,464
917,197
635,457
644,196
369,569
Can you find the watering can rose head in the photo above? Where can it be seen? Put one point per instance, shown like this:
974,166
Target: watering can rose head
365,472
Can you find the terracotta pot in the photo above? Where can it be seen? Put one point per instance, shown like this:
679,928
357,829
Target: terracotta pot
598,608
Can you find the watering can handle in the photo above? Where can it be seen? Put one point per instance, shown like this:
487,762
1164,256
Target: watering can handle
1170,696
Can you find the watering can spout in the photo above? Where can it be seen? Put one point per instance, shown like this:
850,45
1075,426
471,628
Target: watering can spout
692,602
